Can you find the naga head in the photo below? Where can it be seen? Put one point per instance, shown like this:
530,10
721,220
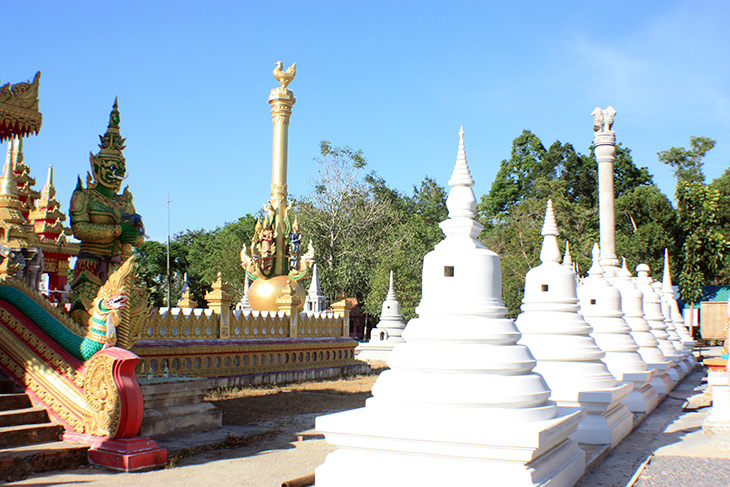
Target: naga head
109,167
116,302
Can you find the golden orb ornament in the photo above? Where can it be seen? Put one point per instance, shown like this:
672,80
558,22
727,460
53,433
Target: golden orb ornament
263,293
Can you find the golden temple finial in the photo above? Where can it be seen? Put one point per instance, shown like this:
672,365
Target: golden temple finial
284,77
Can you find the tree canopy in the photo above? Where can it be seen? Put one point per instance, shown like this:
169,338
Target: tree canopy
361,228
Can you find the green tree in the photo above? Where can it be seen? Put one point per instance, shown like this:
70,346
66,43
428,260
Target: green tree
219,250
687,163
704,247
646,224
152,269
512,212
346,221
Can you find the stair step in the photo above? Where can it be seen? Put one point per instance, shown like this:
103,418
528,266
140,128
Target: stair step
17,463
23,416
8,386
14,401
26,434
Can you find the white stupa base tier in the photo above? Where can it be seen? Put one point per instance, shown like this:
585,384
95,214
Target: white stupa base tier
690,362
464,447
608,428
674,374
376,350
662,383
683,368
607,421
642,400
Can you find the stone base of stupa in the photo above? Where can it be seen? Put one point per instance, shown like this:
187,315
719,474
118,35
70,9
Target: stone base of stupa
662,383
682,368
376,350
453,448
643,398
607,420
673,370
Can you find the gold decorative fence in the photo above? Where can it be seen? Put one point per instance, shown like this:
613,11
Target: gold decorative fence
204,343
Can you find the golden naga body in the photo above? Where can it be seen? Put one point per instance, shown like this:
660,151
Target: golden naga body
104,221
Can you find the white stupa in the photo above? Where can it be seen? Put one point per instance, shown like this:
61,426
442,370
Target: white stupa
460,404
316,301
567,356
243,304
655,318
670,309
387,334
600,304
632,304
673,336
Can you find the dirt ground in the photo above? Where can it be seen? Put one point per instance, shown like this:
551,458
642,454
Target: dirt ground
256,404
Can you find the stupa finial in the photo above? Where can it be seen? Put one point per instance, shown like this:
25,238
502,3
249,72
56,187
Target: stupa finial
391,290
8,182
461,201
461,175
567,258
550,251
49,177
667,277
12,154
624,273
596,270
314,288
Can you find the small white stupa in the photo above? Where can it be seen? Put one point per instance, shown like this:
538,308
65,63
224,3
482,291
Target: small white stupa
632,304
655,318
673,336
600,304
387,334
567,356
671,309
243,304
316,301
460,404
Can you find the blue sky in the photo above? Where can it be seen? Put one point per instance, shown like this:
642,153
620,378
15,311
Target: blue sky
395,79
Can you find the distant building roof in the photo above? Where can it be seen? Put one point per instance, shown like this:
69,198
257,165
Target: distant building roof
19,113
712,294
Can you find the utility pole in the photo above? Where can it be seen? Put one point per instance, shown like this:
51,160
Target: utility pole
169,201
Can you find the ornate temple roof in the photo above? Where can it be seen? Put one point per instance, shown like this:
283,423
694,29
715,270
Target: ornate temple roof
19,113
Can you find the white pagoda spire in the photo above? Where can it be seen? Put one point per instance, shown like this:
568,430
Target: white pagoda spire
600,304
567,356
567,258
316,301
387,333
632,304
652,302
671,309
460,402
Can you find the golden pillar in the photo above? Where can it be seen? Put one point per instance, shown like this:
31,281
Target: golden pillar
275,263
281,100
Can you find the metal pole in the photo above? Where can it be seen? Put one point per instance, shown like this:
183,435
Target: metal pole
168,250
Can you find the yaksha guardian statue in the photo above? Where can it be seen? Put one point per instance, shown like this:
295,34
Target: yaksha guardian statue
104,221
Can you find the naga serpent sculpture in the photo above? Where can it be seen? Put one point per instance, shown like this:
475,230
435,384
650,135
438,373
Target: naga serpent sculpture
114,320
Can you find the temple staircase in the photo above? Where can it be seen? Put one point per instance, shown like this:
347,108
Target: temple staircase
29,442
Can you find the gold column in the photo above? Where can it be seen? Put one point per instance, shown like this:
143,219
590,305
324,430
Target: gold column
219,300
281,100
